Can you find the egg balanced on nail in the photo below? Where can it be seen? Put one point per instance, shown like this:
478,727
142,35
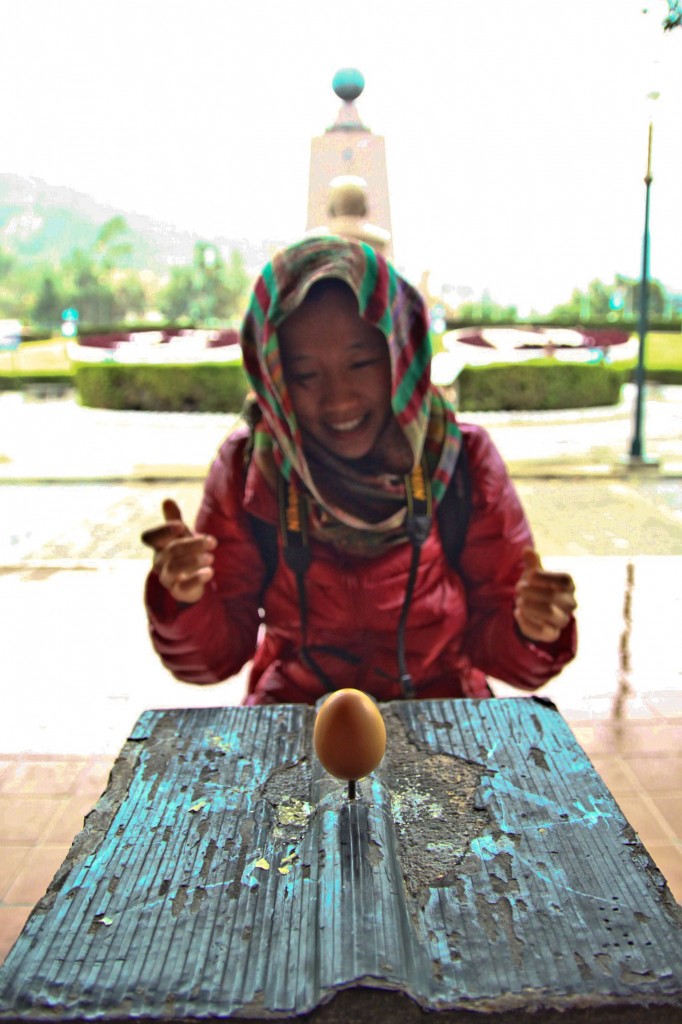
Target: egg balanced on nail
349,735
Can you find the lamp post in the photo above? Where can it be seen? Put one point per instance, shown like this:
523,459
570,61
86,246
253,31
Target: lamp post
672,20
637,442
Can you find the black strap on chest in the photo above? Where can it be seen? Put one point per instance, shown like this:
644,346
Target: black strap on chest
293,520
418,526
293,524
453,514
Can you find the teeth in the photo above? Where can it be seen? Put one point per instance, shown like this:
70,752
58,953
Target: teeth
349,425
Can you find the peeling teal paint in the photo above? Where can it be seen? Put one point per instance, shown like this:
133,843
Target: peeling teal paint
487,847
162,914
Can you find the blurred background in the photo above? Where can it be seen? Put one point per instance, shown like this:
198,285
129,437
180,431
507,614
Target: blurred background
516,139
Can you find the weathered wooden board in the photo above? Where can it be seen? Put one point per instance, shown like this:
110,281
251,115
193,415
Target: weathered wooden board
483,872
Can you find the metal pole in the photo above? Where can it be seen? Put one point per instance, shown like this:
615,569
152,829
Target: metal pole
637,443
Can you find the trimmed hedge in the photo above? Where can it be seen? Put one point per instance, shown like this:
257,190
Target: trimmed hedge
540,384
660,376
209,387
22,379
218,387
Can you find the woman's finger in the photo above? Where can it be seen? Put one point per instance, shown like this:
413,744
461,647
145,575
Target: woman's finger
173,526
536,628
535,598
184,565
159,536
191,589
550,581
183,558
171,510
543,615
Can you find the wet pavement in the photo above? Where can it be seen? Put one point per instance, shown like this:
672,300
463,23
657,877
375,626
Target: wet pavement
56,439
637,516
78,668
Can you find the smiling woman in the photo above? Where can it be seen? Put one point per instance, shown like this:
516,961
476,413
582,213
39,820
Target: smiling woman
338,372
321,548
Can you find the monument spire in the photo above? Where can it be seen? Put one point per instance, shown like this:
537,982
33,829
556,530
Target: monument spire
348,182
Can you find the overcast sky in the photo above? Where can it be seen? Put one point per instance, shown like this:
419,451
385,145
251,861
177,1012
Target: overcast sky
515,129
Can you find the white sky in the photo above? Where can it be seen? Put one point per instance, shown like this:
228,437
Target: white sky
515,129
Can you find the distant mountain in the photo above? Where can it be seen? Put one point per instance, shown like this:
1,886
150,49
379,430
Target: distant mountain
40,222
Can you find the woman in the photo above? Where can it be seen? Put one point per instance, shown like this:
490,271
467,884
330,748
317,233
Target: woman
350,469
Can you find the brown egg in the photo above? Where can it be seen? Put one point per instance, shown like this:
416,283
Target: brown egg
349,735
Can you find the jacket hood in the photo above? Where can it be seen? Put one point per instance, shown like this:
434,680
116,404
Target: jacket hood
385,300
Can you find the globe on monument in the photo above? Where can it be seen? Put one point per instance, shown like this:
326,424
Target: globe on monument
348,83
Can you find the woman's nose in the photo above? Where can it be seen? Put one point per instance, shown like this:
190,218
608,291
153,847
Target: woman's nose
337,391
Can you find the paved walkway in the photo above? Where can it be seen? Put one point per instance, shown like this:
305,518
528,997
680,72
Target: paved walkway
60,440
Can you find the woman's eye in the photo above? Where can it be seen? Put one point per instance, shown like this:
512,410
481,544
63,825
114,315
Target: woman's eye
362,363
303,378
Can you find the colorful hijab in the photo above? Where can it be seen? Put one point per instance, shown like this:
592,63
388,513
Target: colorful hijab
427,421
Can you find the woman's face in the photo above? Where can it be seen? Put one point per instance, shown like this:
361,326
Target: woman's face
338,373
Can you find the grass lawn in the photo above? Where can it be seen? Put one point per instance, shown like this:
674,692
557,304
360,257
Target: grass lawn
36,357
663,351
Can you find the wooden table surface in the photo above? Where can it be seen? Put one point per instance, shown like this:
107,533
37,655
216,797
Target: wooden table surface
484,869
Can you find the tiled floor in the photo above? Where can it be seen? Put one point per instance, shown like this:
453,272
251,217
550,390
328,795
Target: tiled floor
44,799
43,802
642,766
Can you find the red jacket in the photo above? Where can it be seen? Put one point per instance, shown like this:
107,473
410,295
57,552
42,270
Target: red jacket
459,629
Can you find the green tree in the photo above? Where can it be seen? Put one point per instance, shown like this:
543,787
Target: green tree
209,291
113,248
6,262
99,283
131,298
598,295
87,289
175,298
237,280
48,305
572,309
630,290
487,311
19,286
616,301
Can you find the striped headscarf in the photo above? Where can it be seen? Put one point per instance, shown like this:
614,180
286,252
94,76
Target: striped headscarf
388,302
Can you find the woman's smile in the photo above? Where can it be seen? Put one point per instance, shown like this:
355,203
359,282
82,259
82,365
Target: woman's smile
350,439
344,427
338,372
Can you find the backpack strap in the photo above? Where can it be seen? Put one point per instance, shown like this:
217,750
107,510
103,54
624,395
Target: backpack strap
293,520
265,536
454,511
293,524
453,519
418,525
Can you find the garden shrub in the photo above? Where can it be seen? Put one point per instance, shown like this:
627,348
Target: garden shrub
657,375
207,387
18,380
220,387
540,384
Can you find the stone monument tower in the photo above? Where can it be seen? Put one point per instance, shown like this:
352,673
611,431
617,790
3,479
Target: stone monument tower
348,184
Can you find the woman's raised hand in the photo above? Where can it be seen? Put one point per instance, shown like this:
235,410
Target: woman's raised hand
183,560
544,601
